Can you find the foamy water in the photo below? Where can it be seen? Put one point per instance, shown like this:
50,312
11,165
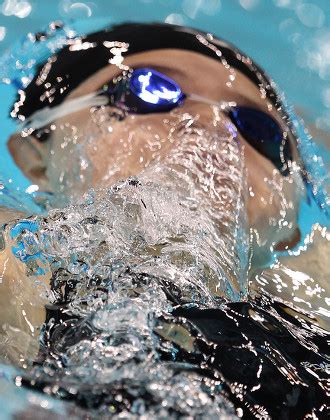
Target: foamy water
126,257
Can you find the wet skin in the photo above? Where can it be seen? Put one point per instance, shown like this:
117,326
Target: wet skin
139,140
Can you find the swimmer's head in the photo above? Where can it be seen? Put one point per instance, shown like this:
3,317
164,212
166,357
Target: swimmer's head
117,97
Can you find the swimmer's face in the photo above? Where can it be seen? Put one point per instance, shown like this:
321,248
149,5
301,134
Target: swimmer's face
102,152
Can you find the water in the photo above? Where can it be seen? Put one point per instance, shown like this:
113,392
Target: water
141,333
149,312
123,261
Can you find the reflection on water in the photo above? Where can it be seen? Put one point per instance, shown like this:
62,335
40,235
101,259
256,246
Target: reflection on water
18,8
121,264
127,333
136,326
301,279
148,311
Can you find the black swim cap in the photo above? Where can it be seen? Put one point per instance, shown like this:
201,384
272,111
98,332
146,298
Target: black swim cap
68,68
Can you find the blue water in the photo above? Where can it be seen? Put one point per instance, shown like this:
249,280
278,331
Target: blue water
280,35
277,34
269,33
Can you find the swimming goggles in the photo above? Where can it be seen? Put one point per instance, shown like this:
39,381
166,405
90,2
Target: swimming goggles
145,90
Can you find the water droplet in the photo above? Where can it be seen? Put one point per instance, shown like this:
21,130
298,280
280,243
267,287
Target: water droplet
8,7
20,9
326,97
80,10
2,32
175,19
249,4
310,15
23,9
31,189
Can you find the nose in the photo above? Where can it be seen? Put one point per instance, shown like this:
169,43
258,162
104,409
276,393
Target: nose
125,147
205,148
205,170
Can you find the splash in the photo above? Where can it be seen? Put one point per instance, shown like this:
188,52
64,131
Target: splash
123,259
143,278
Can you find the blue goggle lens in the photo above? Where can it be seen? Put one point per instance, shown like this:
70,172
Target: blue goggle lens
149,91
145,91
155,88
262,132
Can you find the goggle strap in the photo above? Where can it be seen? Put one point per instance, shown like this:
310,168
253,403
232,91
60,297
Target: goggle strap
48,115
222,104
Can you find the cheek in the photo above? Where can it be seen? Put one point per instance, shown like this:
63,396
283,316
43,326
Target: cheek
273,200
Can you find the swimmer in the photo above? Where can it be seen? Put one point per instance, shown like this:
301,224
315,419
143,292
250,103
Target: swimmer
110,106
201,79
146,77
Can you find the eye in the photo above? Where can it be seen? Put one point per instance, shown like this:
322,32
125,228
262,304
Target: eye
147,90
262,132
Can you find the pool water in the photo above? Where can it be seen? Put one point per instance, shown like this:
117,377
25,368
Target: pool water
134,342
297,56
